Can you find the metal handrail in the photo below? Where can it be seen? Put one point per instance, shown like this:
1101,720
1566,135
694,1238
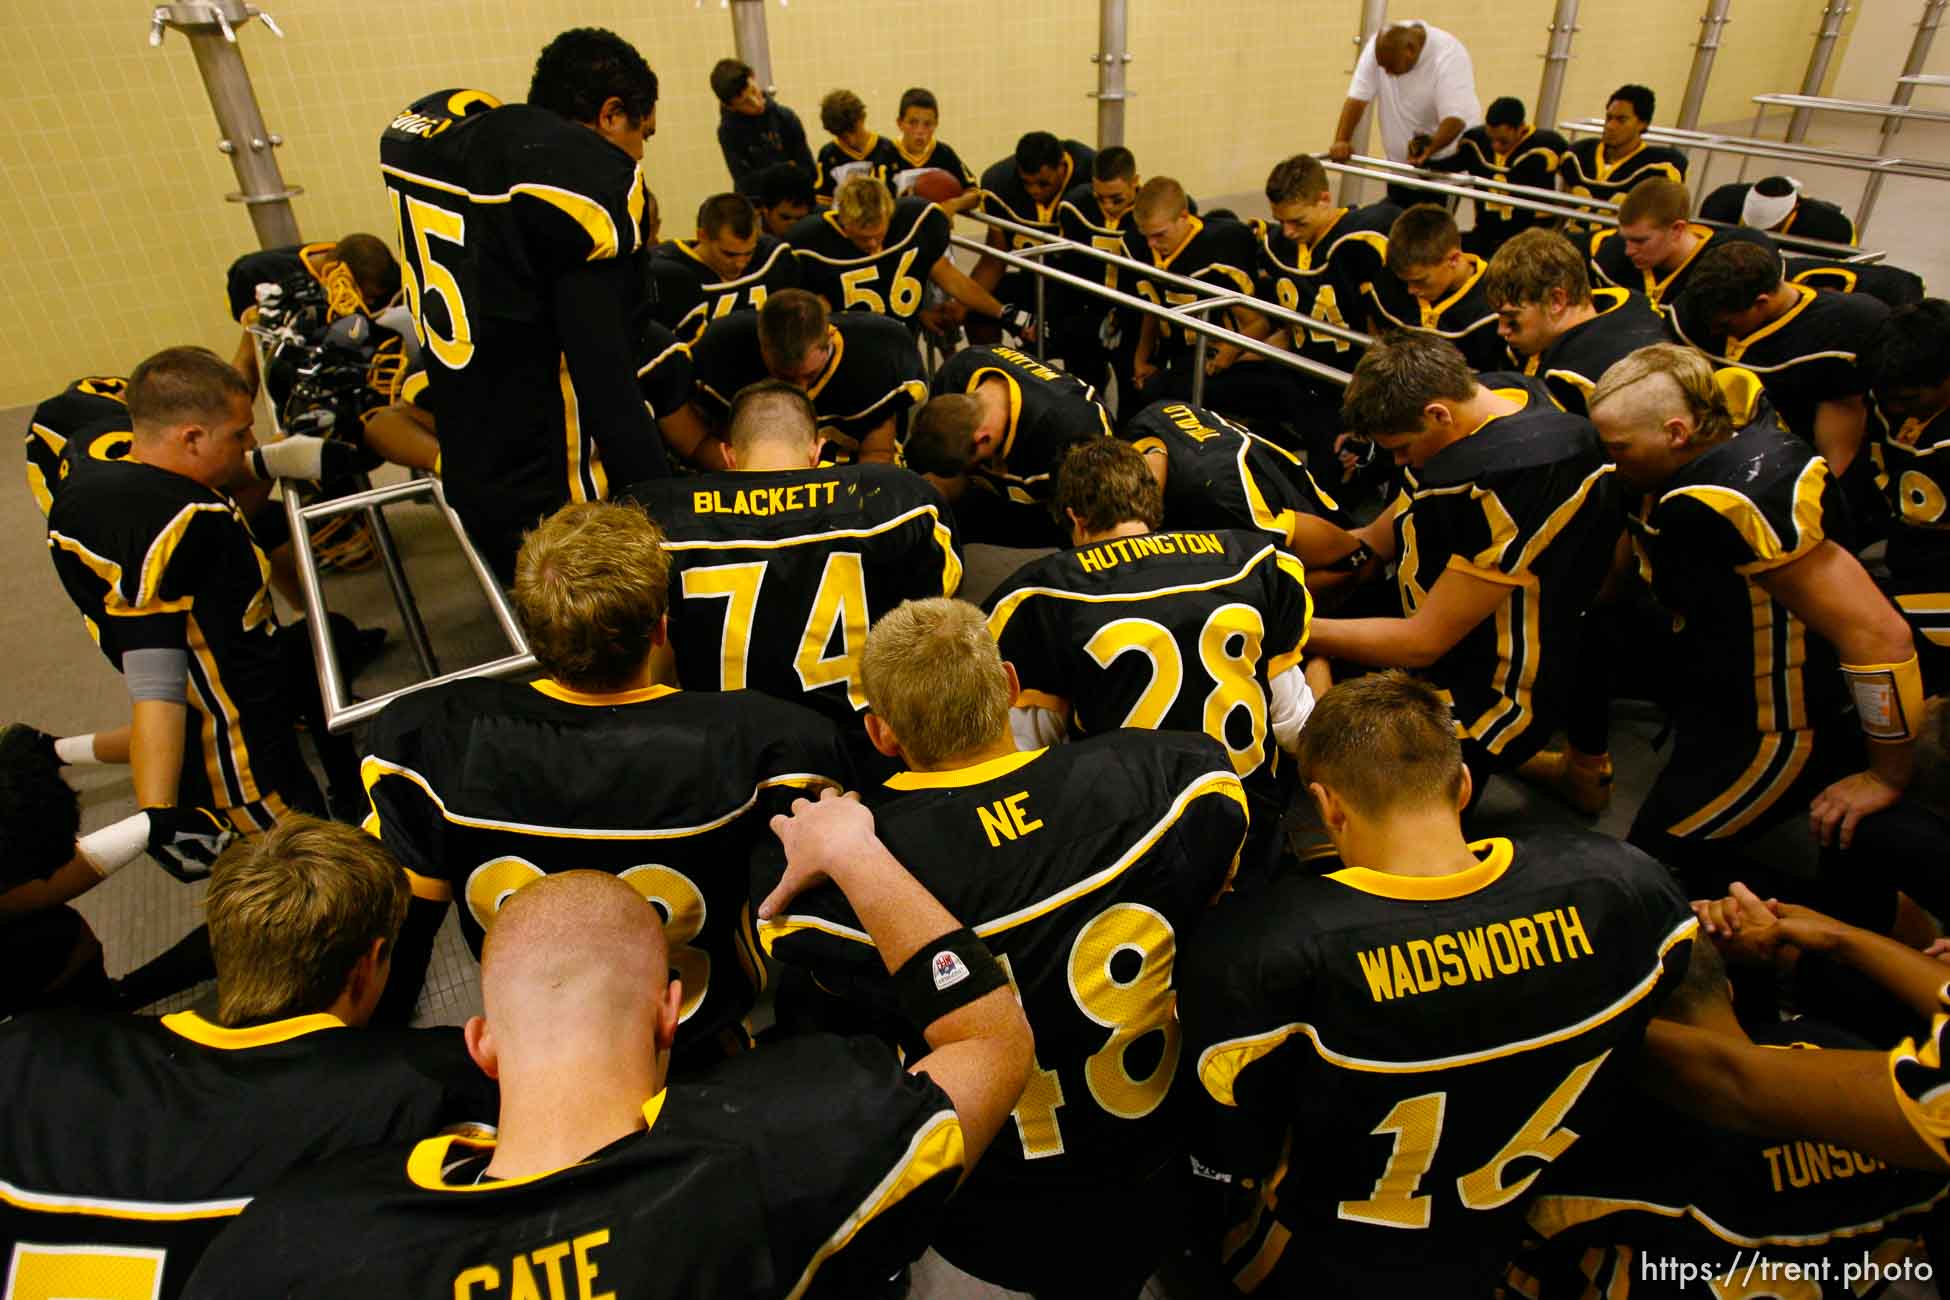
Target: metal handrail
1407,174
1422,181
1924,79
1752,147
1854,107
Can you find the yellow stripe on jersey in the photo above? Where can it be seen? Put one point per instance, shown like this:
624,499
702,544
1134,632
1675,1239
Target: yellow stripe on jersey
1220,1065
593,217
190,1025
1550,1215
951,570
155,562
1495,856
154,1211
803,539
600,699
1290,565
1753,792
225,730
1929,1116
936,1150
1739,510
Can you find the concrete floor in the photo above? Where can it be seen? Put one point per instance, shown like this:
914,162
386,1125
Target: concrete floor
60,682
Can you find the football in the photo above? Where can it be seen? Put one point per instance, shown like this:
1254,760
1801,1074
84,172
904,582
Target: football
936,185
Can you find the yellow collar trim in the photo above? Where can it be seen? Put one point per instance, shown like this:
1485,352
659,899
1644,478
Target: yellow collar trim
1015,403
1502,159
1737,348
872,141
1193,226
190,1025
922,161
838,340
1520,396
430,1157
600,699
1605,169
1433,314
1655,284
955,778
1307,249
1493,859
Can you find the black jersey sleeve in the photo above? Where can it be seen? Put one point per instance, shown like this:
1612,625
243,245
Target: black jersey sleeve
1772,523
591,311
1028,632
1499,531
664,373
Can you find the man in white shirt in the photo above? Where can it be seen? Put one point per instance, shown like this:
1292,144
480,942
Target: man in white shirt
1424,90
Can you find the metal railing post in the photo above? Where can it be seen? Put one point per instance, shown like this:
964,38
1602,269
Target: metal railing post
1919,55
1712,24
1042,320
1113,52
1831,30
749,39
1374,17
1557,58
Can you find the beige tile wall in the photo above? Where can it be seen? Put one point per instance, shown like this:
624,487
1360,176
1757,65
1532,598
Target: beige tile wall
112,211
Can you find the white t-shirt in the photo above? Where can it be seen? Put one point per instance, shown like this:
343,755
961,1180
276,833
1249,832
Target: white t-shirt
1441,84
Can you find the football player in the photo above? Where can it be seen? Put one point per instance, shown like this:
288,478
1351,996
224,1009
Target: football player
1893,285
1778,626
919,117
1400,1046
1655,247
483,786
1086,331
524,303
357,274
1085,901
1193,631
93,412
783,196
861,370
1507,148
1001,424
1026,188
853,150
755,131
1440,286
1216,474
1775,204
1565,332
731,264
819,1163
117,1199
780,564
1806,346
1908,365
1610,165
1502,532
873,252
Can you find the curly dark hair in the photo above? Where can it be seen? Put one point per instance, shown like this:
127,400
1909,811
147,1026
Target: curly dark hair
40,813
584,68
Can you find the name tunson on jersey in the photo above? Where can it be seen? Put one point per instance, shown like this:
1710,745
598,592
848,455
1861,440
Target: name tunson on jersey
1403,970
765,500
1097,559
1806,1163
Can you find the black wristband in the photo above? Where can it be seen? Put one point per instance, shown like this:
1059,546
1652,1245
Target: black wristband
946,974
1353,560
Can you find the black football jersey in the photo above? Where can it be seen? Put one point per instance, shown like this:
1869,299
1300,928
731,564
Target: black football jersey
1755,502
939,155
818,1160
664,372
836,163
1049,411
1004,195
776,575
1084,867
480,787
1332,279
1892,284
1429,1044
1578,358
1805,357
1175,630
1527,501
1914,459
157,561
132,1141
1660,1185
689,295
1589,174
1534,161
91,412
1612,267
1463,316
872,376
1080,219
495,205
1220,252
894,280
1916,1068
1222,475
1811,218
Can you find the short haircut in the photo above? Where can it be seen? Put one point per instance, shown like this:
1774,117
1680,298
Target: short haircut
792,323
372,265
1383,741
1639,97
722,212
1422,236
292,911
1656,200
933,674
1686,374
770,411
1161,196
863,202
1114,164
917,97
584,68
728,79
1107,483
40,814
1507,110
840,111
1038,150
1397,377
1728,278
1394,37
1299,178
181,385
942,438
782,183
592,581
1532,263
1911,347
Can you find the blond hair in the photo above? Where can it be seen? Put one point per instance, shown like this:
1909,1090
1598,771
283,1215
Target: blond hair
1656,200
934,676
592,583
1161,196
292,911
1692,384
863,202
1383,741
1106,483
1530,265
